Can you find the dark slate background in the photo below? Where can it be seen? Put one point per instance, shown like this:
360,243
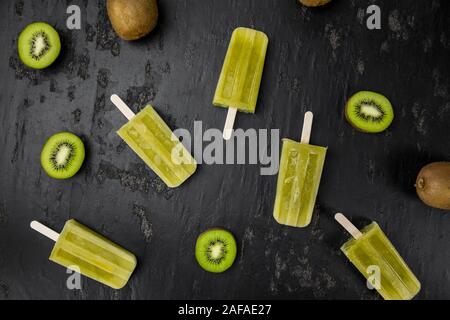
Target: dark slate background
316,59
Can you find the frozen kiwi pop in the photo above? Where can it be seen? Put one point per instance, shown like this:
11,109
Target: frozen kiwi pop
78,247
301,168
371,250
239,81
150,137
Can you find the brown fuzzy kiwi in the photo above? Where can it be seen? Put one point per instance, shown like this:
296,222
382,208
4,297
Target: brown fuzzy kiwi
132,19
314,3
433,185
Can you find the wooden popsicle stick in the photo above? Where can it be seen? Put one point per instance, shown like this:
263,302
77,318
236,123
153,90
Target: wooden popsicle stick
307,127
343,221
122,106
44,230
229,123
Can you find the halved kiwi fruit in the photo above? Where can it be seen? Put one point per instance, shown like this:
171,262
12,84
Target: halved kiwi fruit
215,250
62,155
369,111
38,45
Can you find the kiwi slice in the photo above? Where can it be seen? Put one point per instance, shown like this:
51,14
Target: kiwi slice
369,111
215,250
62,155
39,45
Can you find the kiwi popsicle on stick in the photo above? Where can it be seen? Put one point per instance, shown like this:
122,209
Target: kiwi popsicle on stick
81,249
299,176
371,252
239,81
153,141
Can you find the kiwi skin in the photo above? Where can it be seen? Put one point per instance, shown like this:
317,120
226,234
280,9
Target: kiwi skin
132,19
433,185
314,3
231,253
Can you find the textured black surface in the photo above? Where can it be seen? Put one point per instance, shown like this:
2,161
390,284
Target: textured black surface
316,59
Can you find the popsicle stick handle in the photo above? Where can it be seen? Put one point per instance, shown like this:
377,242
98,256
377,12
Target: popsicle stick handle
343,221
307,126
229,123
44,230
122,106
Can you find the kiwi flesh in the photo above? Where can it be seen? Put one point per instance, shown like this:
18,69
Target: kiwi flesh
62,155
369,111
132,19
215,250
39,45
433,185
314,3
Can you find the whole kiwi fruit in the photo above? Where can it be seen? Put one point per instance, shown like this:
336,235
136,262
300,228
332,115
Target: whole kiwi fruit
433,185
132,19
314,3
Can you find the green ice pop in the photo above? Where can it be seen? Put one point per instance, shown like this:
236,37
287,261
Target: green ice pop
150,137
242,70
299,176
371,248
81,249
